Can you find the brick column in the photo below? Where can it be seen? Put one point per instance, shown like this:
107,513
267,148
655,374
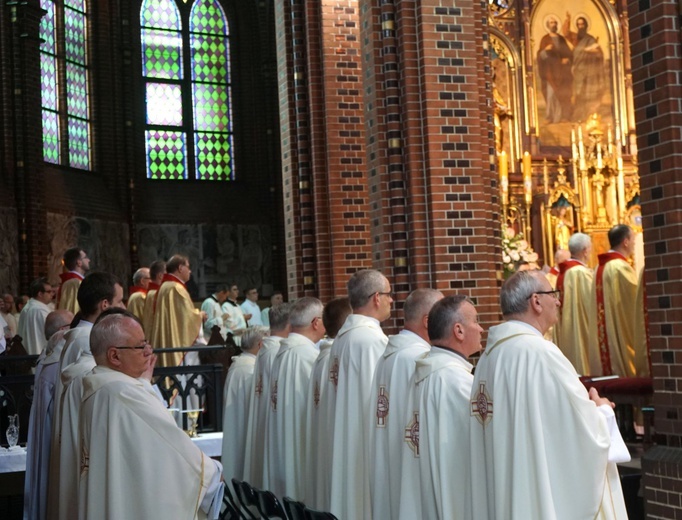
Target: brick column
429,146
655,37
26,141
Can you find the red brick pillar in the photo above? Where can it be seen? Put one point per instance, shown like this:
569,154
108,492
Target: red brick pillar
656,65
429,146
322,134
21,86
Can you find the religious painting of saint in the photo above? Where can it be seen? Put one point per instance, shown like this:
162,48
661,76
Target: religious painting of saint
572,67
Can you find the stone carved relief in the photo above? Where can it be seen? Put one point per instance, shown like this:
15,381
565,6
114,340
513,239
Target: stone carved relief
9,253
217,252
105,242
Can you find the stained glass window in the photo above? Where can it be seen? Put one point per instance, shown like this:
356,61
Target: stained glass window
187,90
66,107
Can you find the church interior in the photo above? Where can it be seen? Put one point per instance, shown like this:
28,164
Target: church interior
285,145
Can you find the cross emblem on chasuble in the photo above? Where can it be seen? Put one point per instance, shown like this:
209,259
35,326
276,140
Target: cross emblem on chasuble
482,405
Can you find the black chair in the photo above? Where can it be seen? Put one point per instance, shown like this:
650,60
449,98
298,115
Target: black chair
269,506
231,509
247,499
312,514
295,510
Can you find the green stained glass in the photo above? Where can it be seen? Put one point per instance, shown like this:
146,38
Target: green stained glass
161,14
213,156
164,104
50,137
208,17
48,80
79,143
211,107
74,32
79,5
77,92
162,54
47,27
210,62
166,154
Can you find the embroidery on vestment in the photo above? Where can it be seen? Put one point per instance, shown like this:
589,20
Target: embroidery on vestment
482,405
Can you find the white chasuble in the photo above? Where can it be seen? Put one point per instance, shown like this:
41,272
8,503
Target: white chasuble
318,431
236,401
442,396
31,326
355,353
258,407
284,457
134,460
388,419
39,439
539,446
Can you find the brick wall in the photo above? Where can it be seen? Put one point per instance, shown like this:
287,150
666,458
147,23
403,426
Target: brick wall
655,36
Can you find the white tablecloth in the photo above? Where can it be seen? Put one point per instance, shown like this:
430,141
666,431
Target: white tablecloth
15,460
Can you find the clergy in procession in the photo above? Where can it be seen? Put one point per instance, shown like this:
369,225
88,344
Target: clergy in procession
33,315
355,353
7,314
618,310
577,307
319,433
442,386
260,397
156,272
76,263
284,456
39,439
236,401
212,306
138,292
176,322
99,293
392,410
541,445
250,307
235,322
134,461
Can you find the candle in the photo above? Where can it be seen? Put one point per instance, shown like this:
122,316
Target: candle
581,148
527,178
503,168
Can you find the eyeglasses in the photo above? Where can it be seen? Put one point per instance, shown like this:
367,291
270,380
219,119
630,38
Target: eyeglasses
389,293
143,346
554,293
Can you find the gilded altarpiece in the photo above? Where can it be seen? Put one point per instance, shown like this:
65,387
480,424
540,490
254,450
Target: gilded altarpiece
564,123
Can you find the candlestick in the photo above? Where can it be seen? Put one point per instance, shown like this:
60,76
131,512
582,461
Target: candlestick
527,178
503,169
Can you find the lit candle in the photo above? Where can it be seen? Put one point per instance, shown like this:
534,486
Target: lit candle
581,148
503,168
527,178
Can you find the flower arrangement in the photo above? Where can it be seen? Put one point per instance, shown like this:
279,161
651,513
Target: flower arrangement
515,249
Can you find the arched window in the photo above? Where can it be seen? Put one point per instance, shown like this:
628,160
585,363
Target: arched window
64,83
186,73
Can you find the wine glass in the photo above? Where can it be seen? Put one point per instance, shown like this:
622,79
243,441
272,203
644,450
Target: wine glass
193,416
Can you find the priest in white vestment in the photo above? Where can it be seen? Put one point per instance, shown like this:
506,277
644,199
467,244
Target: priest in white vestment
354,356
250,307
236,402
542,448
98,292
391,413
40,420
212,306
259,403
134,460
234,322
31,326
442,387
285,443
319,433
